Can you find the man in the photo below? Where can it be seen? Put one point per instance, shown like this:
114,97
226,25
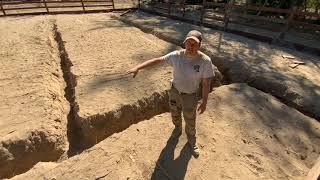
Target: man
191,68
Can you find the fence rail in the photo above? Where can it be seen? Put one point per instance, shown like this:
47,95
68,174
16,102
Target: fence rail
231,12
168,6
49,5
289,21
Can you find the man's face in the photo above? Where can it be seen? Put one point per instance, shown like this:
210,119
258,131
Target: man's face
192,46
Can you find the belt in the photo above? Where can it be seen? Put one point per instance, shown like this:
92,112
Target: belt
181,93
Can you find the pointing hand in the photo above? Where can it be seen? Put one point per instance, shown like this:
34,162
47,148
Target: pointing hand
133,71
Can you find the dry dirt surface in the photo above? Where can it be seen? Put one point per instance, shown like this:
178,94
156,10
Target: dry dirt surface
244,134
33,108
101,50
267,67
95,51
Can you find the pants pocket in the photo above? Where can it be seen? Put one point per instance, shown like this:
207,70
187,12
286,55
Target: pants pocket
173,105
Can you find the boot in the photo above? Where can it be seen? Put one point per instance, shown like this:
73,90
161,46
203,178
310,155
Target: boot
195,150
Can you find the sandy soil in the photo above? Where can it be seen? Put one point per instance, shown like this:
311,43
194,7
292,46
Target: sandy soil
102,49
244,134
103,90
33,109
244,60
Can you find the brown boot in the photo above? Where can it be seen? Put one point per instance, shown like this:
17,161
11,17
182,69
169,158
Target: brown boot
195,150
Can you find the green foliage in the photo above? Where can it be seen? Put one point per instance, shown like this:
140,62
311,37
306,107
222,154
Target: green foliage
286,4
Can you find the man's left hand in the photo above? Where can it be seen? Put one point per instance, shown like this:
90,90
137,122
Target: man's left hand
202,108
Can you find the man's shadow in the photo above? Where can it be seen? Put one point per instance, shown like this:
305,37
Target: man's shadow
169,168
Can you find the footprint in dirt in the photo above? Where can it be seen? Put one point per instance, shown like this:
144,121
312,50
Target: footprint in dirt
255,163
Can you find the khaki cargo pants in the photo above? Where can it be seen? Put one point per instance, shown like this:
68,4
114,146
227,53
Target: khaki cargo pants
187,104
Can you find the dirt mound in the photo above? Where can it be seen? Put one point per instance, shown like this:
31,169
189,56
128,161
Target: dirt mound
33,108
244,134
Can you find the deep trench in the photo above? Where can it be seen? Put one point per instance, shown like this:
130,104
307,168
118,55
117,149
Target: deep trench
226,80
71,82
83,133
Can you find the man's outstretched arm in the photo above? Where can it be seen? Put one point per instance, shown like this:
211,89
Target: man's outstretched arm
149,63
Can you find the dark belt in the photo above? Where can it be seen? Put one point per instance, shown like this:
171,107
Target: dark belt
181,93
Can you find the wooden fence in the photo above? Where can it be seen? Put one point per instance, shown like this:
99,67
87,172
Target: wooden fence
169,6
208,11
232,12
16,7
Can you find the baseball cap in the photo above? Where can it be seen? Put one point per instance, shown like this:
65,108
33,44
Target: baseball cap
195,35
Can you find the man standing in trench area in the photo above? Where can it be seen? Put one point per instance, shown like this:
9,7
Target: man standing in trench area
191,68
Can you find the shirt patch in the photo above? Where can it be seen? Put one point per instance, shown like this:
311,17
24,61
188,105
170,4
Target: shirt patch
196,68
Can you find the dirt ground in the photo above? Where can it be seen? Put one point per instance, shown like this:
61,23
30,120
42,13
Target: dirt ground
102,49
102,86
245,134
33,108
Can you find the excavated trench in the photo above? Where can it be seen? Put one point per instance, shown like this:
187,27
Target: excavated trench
84,132
71,83
277,89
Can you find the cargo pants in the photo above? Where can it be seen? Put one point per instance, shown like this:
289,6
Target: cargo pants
187,105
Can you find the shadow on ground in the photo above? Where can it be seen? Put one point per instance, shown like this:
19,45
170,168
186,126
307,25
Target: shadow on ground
167,167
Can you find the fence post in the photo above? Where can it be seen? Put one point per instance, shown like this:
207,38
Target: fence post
113,4
83,9
202,11
245,8
184,8
169,7
4,13
289,22
45,5
152,4
226,14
